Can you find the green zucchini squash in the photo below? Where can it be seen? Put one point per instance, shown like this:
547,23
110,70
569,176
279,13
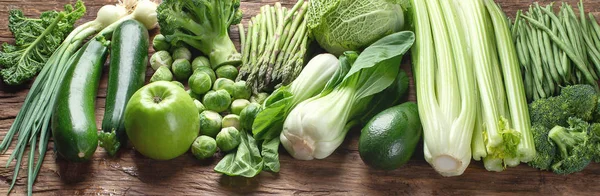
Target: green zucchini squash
73,120
128,61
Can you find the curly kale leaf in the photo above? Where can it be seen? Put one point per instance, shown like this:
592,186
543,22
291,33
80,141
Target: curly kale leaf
35,41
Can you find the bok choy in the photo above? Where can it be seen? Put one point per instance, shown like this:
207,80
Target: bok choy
317,126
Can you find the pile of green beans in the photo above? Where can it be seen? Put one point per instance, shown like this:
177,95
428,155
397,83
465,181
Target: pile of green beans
556,49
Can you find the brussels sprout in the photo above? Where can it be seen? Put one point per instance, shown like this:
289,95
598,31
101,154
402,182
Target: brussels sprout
238,105
241,90
208,71
200,61
227,71
161,74
210,123
228,139
225,84
231,120
182,53
160,43
181,69
200,83
194,95
200,106
218,100
248,115
204,147
178,84
259,98
160,59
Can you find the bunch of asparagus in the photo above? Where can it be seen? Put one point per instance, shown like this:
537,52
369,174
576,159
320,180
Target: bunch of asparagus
275,46
556,49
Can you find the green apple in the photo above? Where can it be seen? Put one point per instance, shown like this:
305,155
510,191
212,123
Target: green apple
161,120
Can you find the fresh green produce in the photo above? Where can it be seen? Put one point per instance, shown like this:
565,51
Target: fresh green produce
259,98
161,59
182,70
228,139
176,83
129,54
507,128
204,147
238,105
317,126
388,98
245,161
182,53
210,123
270,154
199,106
217,101
579,101
248,116
227,71
352,25
162,74
74,120
35,41
194,95
200,61
224,84
274,47
160,43
161,121
208,71
573,146
39,104
241,90
200,83
203,25
231,120
309,83
556,49
389,139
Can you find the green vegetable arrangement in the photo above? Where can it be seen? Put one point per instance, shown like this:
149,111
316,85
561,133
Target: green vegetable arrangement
33,119
274,47
556,49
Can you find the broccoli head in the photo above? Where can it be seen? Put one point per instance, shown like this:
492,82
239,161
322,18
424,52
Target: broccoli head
202,24
545,148
573,146
578,101
595,142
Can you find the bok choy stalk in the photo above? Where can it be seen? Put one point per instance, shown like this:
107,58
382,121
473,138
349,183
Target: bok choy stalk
311,81
446,91
317,126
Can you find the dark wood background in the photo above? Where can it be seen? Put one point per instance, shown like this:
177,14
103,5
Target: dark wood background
343,173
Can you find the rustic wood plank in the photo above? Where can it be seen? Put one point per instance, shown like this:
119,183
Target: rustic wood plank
343,173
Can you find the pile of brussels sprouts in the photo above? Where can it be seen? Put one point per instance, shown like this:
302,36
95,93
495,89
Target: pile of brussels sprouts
214,92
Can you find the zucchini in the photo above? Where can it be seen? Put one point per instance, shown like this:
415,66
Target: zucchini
128,61
73,120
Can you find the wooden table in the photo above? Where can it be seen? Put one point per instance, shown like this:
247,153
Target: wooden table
342,173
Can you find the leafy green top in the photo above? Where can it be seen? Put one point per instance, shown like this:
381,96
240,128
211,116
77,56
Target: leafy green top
35,41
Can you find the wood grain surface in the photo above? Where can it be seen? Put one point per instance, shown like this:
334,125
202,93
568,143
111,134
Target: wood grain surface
343,173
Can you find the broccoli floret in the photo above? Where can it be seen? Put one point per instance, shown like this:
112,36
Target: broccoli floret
545,148
578,101
595,142
573,147
202,24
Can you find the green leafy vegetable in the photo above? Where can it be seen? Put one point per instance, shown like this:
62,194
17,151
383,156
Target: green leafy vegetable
246,161
352,25
317,126
35,41
270,154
